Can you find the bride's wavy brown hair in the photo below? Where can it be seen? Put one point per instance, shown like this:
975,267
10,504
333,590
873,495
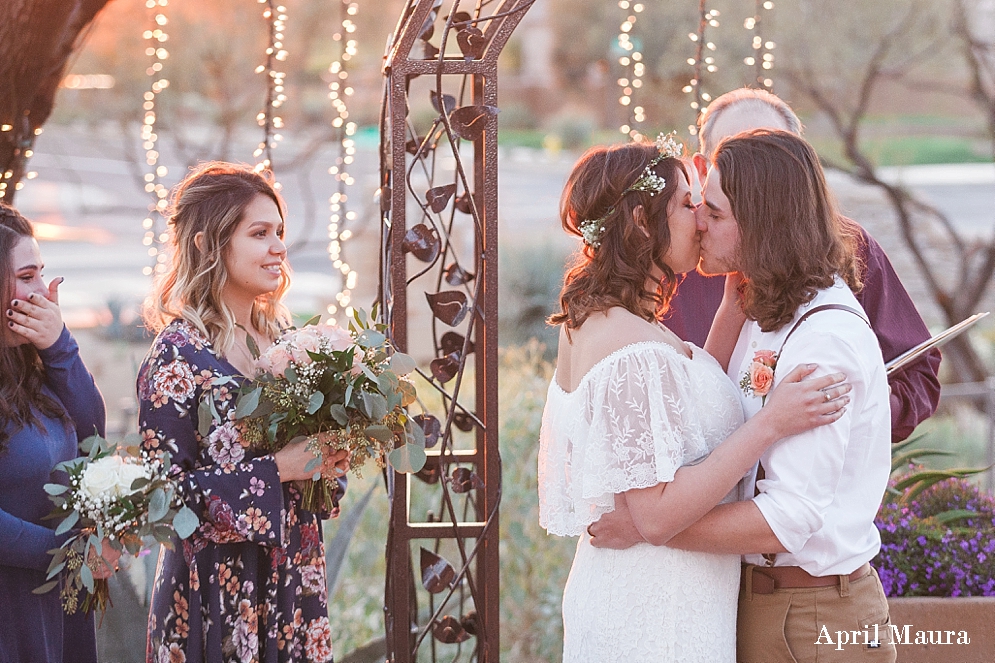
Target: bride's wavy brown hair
615,273
793,240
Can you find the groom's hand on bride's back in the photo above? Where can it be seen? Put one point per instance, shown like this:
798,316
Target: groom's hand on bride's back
616,529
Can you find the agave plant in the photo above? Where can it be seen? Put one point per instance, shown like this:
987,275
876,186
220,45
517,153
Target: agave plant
909,484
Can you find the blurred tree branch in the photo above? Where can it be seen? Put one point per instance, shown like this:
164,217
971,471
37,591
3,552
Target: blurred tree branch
37,40
889,57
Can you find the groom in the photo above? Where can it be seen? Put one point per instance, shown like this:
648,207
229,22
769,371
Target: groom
813,506
915,390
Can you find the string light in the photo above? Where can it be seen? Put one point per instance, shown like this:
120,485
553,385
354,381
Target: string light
339,90
633,69
702,62
275,90
154,222
762,60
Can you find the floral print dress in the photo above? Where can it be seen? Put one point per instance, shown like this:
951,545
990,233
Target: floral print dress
249,585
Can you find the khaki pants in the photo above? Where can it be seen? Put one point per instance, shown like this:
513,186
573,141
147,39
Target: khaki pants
815,625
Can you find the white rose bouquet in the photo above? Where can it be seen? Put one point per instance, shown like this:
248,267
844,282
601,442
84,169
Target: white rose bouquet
123,496
338,389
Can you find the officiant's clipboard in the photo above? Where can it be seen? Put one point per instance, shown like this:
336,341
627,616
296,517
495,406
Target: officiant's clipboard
901,361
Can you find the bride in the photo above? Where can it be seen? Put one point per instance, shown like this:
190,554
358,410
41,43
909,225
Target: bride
633,413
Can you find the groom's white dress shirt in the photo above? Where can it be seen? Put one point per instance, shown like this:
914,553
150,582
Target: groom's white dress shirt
823,487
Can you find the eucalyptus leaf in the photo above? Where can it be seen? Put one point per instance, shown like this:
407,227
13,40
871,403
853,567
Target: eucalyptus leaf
47,587
68,523
312,464
291,375
185,522
313,321
374,404
247,404
252,345
339,413
87,577
370,339
54,570
315,402
55,488
204,417
402,364
158,505
414,434
378,432
407,459
88,444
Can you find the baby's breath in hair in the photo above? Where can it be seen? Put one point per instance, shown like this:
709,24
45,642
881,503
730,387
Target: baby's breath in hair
649,182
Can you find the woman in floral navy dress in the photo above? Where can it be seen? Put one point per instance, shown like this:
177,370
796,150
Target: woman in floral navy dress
249,585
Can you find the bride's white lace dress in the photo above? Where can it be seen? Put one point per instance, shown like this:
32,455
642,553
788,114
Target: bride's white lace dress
636,417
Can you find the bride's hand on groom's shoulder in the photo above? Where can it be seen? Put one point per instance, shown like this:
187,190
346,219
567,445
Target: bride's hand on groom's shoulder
800,403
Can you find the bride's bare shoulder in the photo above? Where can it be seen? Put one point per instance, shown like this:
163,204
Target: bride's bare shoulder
599,336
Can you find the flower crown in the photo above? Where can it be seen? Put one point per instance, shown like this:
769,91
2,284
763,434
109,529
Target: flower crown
592,230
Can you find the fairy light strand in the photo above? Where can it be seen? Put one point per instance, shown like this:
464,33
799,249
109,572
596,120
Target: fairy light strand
340,216
153,224
762,60
267,118
702,62
633,70
28,153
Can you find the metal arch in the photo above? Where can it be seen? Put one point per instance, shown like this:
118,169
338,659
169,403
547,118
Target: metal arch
452,612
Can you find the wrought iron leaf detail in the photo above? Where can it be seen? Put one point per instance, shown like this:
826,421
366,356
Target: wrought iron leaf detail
448,101
449,306
463,480
422,242
453,342
456,275
449,631
445,368
463,421
464,203
469,122
437,574
472,42
431,426
438,196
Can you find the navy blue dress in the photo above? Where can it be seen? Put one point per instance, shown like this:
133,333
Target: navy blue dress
33,627
249,585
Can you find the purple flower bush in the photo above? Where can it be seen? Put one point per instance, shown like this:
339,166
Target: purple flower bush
941,542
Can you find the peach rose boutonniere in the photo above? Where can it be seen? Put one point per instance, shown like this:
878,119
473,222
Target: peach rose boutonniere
759,377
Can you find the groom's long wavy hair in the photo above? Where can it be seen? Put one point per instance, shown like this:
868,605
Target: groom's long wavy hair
615,273
793,240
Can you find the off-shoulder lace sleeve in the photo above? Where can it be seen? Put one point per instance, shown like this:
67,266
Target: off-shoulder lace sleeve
629,424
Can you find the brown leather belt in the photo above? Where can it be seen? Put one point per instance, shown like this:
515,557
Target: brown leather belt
768,578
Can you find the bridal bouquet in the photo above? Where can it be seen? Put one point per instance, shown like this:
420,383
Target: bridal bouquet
338,389
123,496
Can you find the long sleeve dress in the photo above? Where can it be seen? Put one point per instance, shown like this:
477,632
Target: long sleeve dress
34,627
249,585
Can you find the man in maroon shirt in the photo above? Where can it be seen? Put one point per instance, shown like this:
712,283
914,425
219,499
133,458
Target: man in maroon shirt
915,390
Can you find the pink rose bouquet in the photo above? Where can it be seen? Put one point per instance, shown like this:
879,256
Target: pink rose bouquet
338,389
